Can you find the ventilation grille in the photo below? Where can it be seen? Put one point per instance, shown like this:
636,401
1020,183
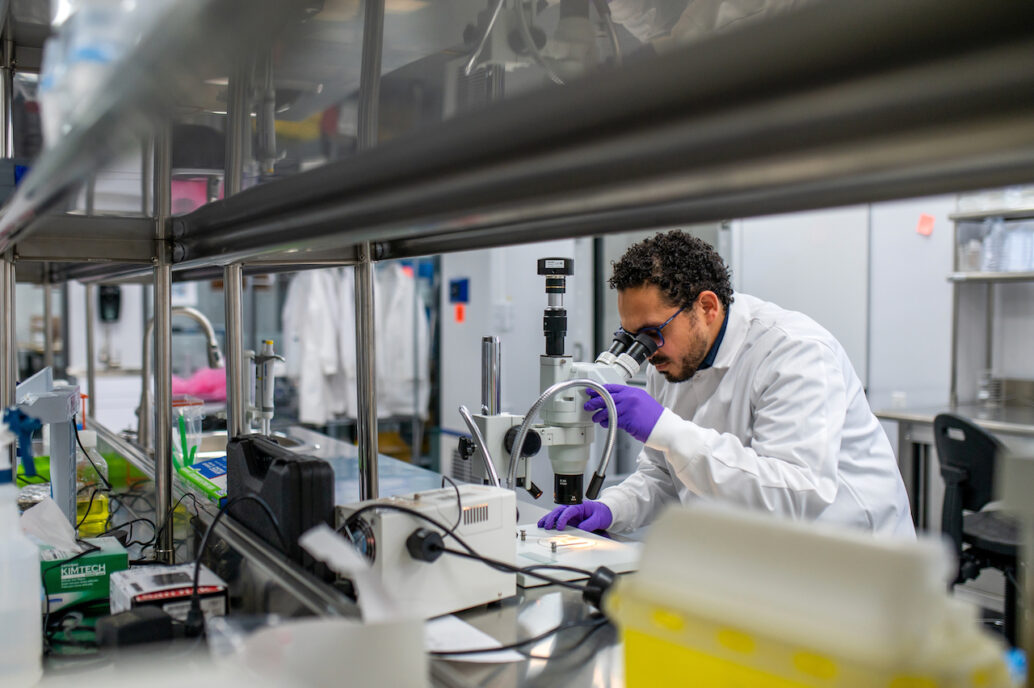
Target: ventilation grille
475,514
461,469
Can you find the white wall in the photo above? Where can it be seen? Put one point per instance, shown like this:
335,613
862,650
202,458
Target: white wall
910,303
816,263
122,338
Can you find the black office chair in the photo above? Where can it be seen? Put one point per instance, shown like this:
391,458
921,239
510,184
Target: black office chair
983,539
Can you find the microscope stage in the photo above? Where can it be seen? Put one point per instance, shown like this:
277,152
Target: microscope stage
573,547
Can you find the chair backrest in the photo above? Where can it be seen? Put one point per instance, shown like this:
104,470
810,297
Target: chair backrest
963,445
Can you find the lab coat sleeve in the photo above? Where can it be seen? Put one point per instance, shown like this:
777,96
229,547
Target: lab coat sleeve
638,498
789,465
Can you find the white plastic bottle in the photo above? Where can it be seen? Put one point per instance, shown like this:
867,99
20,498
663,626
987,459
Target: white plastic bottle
21,624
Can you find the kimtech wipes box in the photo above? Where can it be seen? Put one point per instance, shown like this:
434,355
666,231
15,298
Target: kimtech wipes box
82,580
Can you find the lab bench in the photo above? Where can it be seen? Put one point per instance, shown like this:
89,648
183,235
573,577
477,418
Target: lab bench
1013,425
261,581
877,100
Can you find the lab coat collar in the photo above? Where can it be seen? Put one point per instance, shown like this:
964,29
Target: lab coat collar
737,320
716,345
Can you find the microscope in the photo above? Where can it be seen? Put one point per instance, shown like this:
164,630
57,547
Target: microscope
566,428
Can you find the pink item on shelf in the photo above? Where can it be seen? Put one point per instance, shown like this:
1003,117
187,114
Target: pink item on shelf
208,384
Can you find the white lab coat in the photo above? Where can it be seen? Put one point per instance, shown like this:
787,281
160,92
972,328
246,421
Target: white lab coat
319,326
402,343
668,23
779,423
311,352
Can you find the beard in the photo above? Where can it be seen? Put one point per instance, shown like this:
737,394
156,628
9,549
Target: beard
683,368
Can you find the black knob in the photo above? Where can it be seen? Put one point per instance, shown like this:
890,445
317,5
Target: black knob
532,442
466,447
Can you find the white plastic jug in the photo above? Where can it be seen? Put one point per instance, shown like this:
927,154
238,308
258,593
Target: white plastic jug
21,626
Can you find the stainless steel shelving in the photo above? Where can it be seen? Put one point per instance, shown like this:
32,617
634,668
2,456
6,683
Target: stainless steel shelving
991,277
1002,213
843,102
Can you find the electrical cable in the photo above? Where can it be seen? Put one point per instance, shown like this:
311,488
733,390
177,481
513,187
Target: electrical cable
470,553
86,513
595,622
459,502
172,510
130,523
195,617
104,480
568,650
510,568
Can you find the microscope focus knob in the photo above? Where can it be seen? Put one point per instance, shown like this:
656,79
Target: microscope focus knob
532,442
466,447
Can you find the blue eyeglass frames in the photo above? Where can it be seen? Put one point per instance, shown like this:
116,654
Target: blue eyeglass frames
654,332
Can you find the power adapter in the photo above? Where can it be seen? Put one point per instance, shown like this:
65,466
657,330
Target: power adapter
137,626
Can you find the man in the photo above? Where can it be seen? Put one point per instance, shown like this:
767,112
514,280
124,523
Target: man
745,403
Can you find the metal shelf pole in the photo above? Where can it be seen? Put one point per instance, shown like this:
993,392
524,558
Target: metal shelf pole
91,368
8,343
237,120
369,97
48,316
164,550
8,335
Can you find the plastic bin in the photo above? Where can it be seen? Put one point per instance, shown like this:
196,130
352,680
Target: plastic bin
737,599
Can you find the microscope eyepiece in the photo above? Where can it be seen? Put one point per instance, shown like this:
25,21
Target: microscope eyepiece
621,342
643,347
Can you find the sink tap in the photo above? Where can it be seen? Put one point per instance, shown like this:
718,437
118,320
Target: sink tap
215,360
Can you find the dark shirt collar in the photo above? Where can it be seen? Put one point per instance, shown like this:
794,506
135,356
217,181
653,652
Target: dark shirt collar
713,353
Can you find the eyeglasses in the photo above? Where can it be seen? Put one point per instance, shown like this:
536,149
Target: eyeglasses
654,332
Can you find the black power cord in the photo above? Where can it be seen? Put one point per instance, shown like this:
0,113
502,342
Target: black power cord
470,552
593,622
195,617
100,475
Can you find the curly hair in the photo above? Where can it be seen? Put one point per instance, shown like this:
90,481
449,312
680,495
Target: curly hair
680,265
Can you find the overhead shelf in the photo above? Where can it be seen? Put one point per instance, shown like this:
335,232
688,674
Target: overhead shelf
1003,213
875,101
991,277
190,40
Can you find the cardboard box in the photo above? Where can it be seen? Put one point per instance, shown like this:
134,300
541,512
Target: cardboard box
83,580
169,588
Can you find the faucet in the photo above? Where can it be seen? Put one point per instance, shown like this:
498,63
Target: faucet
215,360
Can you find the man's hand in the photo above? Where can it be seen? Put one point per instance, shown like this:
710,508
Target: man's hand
588,516
638,412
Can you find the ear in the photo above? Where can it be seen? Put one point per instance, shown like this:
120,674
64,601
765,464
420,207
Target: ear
710,306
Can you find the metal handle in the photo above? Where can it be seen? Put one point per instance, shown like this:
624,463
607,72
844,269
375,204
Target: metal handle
491,365
489,463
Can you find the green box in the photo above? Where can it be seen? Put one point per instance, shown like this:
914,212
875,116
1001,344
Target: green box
82,581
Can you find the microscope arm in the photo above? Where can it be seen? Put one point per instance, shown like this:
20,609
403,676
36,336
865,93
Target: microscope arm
597,479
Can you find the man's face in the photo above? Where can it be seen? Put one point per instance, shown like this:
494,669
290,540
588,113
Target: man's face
686,338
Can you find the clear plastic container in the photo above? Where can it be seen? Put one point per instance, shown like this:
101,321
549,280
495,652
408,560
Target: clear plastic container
993,246
187,414
91,473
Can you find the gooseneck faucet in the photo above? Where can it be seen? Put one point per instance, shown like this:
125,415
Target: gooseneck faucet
215,360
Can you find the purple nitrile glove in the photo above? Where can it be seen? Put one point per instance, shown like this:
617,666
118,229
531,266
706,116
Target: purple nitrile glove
638,412
588,516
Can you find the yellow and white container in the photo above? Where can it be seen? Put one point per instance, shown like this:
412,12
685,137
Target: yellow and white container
735,599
